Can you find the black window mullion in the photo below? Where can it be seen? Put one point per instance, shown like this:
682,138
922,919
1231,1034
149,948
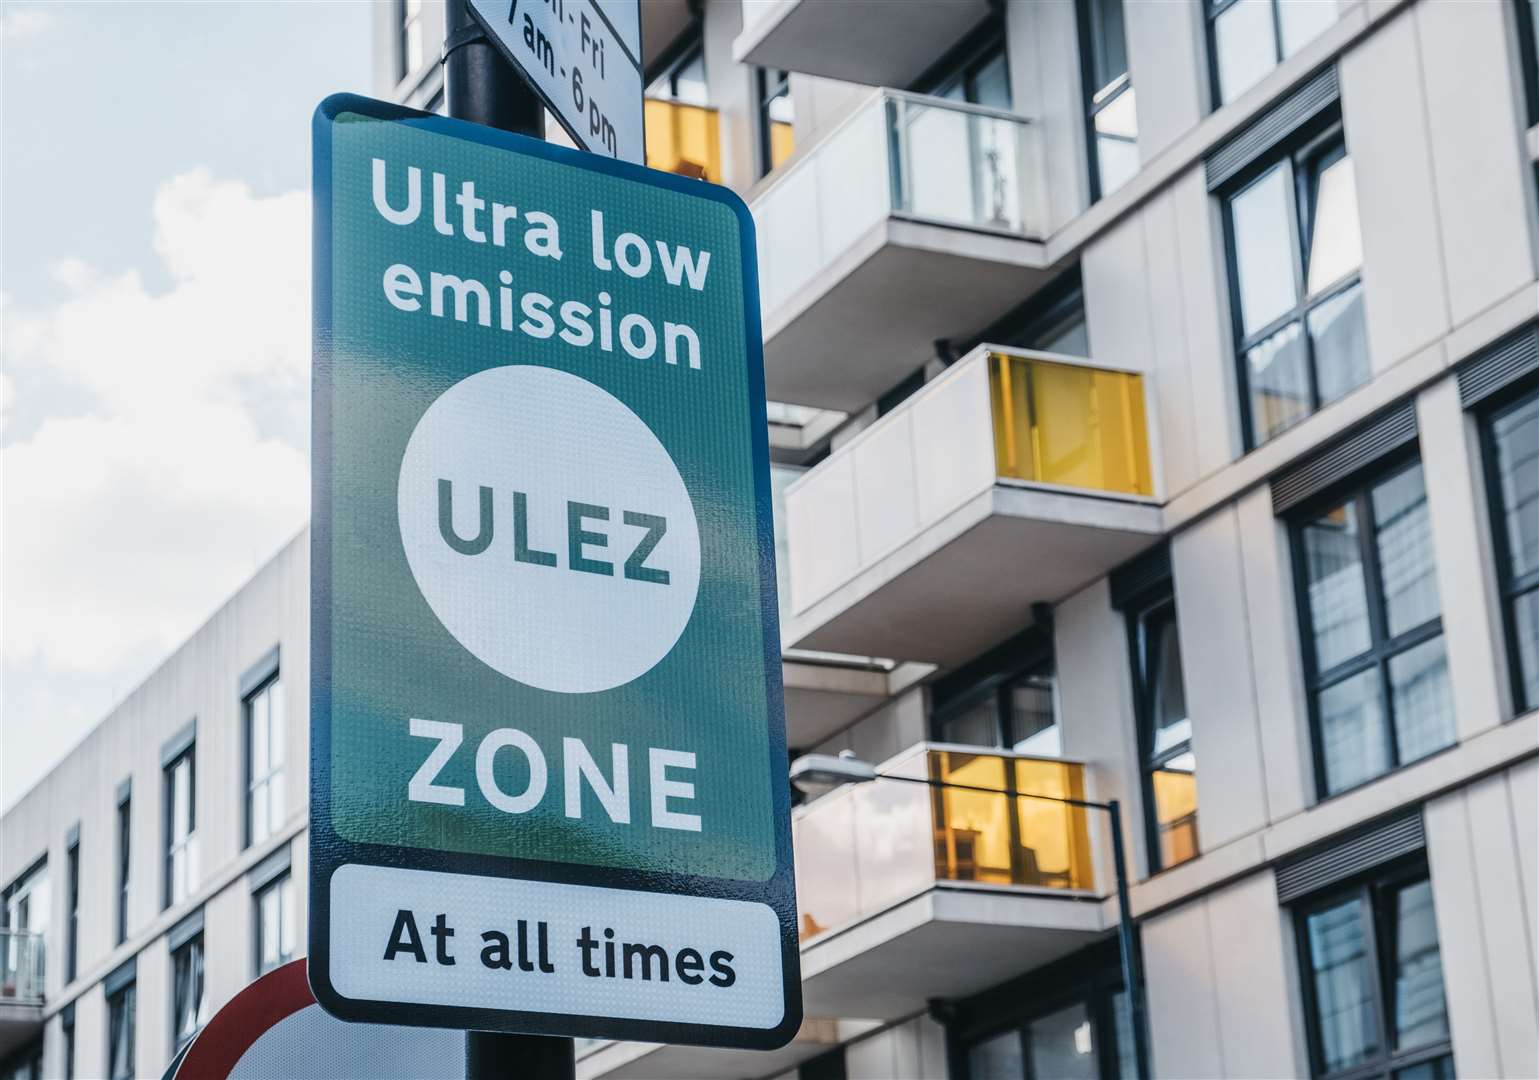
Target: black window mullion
1277,33
1378,611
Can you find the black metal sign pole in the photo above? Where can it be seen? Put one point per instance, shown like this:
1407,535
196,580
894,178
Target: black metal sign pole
483,87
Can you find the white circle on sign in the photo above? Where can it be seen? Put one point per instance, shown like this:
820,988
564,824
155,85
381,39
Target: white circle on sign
548,529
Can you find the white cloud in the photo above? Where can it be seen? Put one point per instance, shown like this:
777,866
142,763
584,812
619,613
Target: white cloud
136,503
19,23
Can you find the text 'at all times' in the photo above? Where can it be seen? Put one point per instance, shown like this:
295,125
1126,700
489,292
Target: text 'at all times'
598,956
578,323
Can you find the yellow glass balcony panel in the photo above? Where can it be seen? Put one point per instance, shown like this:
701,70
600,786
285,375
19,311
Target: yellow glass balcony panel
1069,424
979,838
684,139
782,142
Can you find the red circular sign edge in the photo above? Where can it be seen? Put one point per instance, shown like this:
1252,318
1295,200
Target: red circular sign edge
244,1019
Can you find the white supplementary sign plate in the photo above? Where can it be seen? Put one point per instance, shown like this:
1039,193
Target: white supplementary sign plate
584,58
460,939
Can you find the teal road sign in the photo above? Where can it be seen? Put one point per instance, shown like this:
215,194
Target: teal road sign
548,763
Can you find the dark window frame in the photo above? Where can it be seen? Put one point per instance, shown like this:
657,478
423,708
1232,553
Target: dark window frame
250,780
1308,153
67,1030
124,823
1357,489
124,1002
72,913
1509,588
767,94
1373,890
273,884
193,952
1091,977
1528,56
997,685
689,46
1088,21
1155,601
168,801
961,63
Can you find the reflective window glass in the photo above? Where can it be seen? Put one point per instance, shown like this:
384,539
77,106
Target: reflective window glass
1516,438
1263,249
1063,1045
996,1058
1244,46
1404,542
1335,239
1421,1015
1353,739
1302,21
1338,591
1278,370
1423,705
1343,986
1339,338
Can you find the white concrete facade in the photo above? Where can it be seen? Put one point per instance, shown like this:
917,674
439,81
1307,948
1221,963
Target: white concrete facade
1433,102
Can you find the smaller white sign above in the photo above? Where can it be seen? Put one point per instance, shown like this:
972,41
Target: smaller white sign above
584,59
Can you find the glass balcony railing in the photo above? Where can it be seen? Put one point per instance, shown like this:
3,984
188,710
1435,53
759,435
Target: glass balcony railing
684,139
863,848
958,164
1069,424
21,966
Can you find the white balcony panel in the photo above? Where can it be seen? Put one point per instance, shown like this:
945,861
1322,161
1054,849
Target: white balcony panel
909,222
945,943
857,41
822,699
907,543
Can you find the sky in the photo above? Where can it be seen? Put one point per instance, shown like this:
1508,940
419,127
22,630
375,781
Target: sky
155,321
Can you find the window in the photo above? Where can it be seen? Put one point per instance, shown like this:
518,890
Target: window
1373,981
275,924
125,834
1527,14
777,116
1110,108
1248,38
1018,713
1164,736
1512,460
181,826
189,1006
683,80
977,73
67,1029
28,903
72,931
1069,1021
1375,660
265,803
25,1064
120,1034
1295,257
411,46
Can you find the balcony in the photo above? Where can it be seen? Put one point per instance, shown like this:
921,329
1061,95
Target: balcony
912,220
683,139
907,893
1014,478
853,42
21,988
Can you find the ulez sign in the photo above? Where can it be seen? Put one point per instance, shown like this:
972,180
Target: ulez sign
548,765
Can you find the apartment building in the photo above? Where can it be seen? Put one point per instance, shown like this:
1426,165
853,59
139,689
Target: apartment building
1155,414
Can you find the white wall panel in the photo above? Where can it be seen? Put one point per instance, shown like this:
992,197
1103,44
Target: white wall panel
1169,355
1282,711
1183,1006
1204,283
885,500
1478,151
1220,691
821,530
953,442
1384,112
1250,967
1168,64
1116,274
